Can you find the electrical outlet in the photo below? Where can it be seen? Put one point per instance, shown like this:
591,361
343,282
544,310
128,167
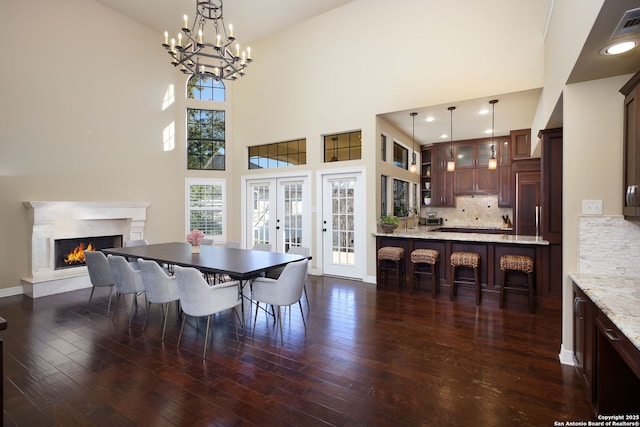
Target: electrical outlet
592,207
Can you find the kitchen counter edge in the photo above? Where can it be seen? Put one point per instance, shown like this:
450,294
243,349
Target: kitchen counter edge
617,297
464,237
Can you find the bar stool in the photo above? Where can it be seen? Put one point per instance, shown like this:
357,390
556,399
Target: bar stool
420,259
470,260
391,258
519,264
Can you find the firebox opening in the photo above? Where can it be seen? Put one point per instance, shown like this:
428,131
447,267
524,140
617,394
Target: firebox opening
69,253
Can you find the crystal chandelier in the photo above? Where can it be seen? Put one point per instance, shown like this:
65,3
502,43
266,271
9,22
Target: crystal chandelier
208,51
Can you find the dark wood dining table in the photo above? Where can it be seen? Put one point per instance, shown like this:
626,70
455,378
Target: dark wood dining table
242,264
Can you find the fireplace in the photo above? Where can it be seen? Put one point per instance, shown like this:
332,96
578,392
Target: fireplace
56,223
69,253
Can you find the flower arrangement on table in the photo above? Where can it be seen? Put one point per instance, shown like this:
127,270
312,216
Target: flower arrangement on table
195,238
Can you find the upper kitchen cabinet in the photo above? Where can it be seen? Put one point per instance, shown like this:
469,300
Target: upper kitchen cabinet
425,175
520,144
504,172
472,175
631,167
551,167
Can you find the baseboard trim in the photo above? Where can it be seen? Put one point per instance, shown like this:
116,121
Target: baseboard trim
10,292
566,356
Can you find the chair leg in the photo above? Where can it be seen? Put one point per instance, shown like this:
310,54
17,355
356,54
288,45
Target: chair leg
235,322
206,337
165,307
133,303
255,319
146,316
306,297
279,320
184,318
476,276
93,288
433,281
532,296
302,314
452,283
503,278
110,295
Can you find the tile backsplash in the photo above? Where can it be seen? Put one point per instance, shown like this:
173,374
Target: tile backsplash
472,211
609,245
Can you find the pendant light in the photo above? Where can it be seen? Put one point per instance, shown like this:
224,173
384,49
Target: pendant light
451,164
493,162
413,166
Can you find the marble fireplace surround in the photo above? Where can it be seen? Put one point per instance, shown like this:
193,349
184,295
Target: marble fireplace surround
51,220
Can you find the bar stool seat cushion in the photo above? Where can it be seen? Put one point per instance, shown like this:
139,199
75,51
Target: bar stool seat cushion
391,253
465,259
426,256
517,263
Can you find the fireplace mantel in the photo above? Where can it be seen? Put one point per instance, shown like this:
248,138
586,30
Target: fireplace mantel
51,220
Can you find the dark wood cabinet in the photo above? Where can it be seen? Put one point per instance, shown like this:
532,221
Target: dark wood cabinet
442,189
520,143
584,340
504,173
606,360
472,175
631,166
526,196
551,196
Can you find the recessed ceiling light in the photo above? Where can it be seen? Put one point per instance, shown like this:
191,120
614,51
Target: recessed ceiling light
618,48
444,135
430,119
483,111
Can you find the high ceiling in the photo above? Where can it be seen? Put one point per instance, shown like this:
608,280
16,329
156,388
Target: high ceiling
256,19
251,19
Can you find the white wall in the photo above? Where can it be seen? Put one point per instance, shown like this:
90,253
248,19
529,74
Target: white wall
337,71
592,168
82,92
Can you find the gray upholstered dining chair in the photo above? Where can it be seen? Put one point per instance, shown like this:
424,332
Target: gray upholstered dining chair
232,244
159,287
276,272
99,274
285,291
198,299
207,242
266,247
128,281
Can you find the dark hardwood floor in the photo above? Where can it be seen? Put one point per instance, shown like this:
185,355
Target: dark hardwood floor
368,357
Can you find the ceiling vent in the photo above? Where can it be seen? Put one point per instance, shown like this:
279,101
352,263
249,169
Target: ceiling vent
629,24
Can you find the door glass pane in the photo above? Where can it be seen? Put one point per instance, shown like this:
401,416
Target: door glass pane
342,221
292,215
260,214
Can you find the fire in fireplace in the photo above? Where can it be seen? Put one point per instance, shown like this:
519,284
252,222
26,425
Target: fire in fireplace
70,252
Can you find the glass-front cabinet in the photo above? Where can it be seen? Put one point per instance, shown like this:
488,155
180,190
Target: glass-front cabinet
425,176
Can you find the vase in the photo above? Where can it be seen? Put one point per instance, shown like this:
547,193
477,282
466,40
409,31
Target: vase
388,228
195,249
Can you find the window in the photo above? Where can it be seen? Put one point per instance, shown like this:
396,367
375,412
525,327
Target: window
206,207
384,147
400,197
205,88
205,139
343,146
278,155
400,156
383,195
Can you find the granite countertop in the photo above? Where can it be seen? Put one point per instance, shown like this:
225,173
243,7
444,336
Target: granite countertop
618,298
428,234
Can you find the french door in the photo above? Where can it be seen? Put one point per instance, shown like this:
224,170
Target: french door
343,240
278,213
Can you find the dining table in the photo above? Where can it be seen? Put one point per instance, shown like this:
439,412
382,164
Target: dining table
242,265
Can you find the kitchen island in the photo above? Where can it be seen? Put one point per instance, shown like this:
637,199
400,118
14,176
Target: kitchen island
490,246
